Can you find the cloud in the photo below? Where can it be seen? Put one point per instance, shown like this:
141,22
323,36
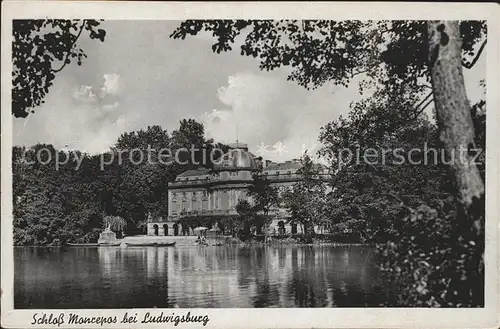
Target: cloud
78,117
111,84
84,93
111,88
275,117
248,99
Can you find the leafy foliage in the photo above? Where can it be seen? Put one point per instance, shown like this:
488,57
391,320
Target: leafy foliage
115,223
264,195
74,201
432,260
40,49
430,254
254,213
306,199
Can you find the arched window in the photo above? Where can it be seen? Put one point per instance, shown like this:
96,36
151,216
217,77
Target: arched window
165,229
281,228
155,228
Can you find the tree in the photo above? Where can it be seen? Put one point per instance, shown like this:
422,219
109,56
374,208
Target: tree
305,201
115,223
40,49
146,170
153,136
67,203
263,194
188,143
264,197
246,217
428,254
51,205
397,52
453,108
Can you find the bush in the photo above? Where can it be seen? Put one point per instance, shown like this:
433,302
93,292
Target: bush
434,260
92,236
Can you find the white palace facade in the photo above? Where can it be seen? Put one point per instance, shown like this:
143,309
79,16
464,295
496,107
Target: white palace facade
214,193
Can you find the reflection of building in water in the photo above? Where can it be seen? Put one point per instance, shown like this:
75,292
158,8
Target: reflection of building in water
233,276
202,277
214,194
109,260
155,259
282,263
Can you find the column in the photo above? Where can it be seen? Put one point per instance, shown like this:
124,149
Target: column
199,198
151,230
169,202
171,228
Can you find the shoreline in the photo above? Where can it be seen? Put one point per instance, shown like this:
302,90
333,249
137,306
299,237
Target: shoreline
236,244
227,240
338,241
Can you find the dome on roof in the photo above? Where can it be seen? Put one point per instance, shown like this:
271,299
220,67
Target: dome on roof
236,158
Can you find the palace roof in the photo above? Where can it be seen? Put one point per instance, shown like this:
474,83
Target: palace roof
195,172
283,166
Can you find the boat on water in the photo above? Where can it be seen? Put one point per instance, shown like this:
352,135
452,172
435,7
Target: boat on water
140,244
110,244
150,244
107,244
83,244
166,244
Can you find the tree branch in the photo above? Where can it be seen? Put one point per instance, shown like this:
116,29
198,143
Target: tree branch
353,74
425,106
70,48
471,64
423,100
424,85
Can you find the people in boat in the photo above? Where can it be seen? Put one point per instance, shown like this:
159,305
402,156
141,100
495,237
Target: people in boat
200,239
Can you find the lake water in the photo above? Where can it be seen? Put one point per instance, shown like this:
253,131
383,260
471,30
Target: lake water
192,276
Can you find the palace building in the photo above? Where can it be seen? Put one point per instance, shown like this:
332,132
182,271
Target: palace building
214,193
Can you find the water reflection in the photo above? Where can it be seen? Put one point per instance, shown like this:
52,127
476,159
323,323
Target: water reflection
192,276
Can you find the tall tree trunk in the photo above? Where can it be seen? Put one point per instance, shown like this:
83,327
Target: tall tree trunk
453,108
457,135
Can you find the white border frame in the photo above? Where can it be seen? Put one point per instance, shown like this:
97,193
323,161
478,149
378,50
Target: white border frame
270,318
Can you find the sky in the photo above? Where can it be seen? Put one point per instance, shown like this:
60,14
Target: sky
140,77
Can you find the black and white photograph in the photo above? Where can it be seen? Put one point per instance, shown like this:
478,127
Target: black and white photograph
192,163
